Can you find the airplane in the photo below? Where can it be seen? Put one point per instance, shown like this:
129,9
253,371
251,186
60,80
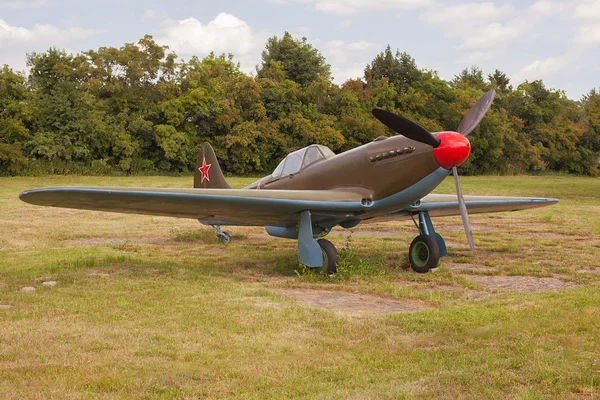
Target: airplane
314,190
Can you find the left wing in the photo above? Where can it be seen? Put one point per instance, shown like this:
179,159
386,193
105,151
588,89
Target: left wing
221,206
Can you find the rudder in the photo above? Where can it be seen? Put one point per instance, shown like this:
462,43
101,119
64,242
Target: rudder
208,174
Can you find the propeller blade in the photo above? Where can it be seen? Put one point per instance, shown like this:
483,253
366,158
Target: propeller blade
476,113
463,210
405,127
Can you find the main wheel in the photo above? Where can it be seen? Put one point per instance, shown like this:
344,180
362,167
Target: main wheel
423,254
331,255
224,237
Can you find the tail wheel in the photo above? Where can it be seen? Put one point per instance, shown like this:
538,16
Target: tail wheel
331,255
423,254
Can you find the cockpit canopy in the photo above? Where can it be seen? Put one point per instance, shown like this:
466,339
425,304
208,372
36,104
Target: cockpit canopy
301,159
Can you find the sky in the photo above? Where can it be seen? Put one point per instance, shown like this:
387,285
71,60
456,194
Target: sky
554,40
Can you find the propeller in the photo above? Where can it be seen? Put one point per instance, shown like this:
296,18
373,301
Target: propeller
466,126
406,127
450,149
476,113
463,210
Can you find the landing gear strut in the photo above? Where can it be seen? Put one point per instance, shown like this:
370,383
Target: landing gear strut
427,248
223,237
315,253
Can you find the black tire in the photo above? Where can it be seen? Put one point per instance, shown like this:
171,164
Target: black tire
331,256
423,254
224,237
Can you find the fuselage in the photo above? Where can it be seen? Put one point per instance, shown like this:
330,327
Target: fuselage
376,170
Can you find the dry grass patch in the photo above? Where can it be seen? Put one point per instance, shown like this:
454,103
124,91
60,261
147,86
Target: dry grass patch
521,283
354,304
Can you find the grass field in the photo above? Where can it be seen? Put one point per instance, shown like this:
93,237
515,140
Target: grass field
152,307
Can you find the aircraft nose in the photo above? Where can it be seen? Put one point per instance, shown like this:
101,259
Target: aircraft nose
453,149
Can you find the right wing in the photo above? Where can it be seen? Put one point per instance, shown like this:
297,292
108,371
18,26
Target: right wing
445,205
216,206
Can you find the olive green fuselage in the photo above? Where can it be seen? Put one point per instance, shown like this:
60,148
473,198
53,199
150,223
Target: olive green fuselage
376,170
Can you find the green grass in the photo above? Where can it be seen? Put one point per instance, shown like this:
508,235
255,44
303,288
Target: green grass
153,307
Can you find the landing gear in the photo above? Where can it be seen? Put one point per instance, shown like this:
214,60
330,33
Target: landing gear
223,237
330,254
423,254
427,248
313,253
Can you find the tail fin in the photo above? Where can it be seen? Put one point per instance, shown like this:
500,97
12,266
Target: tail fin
208,174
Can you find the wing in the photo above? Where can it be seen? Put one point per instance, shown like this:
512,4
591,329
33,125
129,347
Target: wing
444,205
216,206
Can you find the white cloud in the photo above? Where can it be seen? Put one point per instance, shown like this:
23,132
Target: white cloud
491,36
588,14
589,35
545,7
346,7
469,14
484,30
342,52
17,41
16,35
361,6
542,69
348,60
229,34
224,34
588,10
352,71
19,5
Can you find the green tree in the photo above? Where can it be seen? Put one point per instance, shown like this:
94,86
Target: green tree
400,70
14,120
591,139
500,82
470,77
298,59
70,122
137,108
355,102
130,83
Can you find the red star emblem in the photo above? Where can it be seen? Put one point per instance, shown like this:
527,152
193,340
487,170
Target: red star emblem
204,170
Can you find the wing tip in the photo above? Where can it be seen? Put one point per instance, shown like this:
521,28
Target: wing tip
32,196
25,196
545,200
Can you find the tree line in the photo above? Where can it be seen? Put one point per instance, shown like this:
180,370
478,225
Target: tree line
138,110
